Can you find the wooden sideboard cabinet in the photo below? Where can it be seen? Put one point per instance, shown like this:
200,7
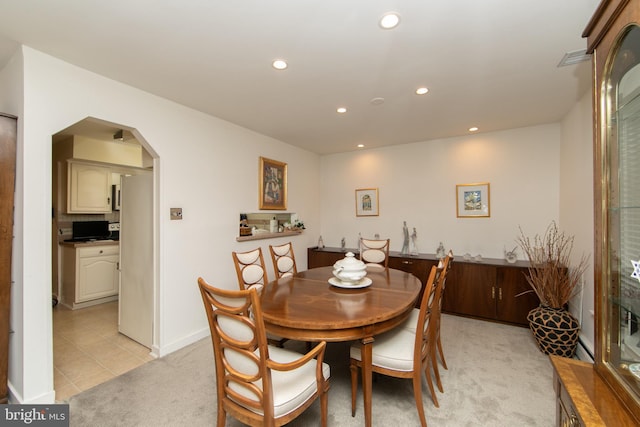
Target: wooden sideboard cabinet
491,289
326,256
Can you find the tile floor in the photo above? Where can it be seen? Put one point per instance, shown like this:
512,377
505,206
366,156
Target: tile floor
88,350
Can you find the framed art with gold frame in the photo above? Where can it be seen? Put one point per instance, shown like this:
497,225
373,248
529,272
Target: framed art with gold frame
472,200
367,202
273,184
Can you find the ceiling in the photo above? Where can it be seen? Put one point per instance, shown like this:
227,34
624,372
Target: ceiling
491,64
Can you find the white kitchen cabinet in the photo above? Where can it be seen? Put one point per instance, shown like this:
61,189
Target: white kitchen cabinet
88,188
89,274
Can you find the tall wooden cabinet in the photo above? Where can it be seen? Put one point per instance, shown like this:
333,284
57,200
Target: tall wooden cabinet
608,392
8,132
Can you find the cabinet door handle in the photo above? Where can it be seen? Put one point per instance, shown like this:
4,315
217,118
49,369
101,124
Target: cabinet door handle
493,292
407,262
101,251
500,294
108,200
574,422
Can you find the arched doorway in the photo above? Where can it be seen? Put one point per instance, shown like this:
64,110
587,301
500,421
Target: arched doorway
92,159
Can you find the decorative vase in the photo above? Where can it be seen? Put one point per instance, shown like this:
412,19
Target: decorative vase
556,330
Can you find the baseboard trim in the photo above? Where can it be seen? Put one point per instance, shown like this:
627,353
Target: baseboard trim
43,399
177,345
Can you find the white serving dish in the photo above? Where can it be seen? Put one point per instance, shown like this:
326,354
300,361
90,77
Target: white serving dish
362,283
349,269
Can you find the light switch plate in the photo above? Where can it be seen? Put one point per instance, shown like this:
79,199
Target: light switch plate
176,213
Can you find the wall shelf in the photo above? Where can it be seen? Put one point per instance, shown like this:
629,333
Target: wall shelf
261,236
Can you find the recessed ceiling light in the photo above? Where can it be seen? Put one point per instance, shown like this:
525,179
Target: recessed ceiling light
389,20
341,110
377,101
280,64
473,129
422,90
360,145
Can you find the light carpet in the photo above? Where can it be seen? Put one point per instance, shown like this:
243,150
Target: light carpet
496,377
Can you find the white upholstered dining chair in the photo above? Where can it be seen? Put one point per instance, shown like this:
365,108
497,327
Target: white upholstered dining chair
375,252
410,324
250,268
251,272
284,260
449,261
258,384
401,353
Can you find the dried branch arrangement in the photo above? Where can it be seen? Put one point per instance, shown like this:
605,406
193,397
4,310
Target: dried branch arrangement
550,274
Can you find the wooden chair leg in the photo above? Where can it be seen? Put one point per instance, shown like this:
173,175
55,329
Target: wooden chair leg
354,385
436,371
427,372
439,345
417,395
222,416
324,399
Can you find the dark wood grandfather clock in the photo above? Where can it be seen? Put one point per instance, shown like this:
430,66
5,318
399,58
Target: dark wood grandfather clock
8,132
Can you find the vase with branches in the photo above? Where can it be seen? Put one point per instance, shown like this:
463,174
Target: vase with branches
555,281
551,275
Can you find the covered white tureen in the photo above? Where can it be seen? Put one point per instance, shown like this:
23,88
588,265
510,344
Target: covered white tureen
349,269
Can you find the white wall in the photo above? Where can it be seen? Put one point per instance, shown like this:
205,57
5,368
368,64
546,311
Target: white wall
576,204
210,168
417,183
537,174
207,166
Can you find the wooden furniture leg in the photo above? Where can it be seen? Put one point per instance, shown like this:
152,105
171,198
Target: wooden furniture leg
367,362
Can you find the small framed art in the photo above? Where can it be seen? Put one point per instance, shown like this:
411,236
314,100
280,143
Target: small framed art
273,184
472,200
367,202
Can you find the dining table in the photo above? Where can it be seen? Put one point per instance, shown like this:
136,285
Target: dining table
307,307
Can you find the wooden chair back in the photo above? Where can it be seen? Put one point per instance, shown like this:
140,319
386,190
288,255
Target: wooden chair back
375,251
447,261
240,350
244,379
284,260
250,268
426,318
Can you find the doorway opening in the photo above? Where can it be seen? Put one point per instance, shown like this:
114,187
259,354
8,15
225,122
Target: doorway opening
101,329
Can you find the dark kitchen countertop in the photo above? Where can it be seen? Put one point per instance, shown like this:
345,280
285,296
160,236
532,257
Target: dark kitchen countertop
90,243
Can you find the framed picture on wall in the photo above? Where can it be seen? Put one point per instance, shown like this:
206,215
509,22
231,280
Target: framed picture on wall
472,200
273,184
367,202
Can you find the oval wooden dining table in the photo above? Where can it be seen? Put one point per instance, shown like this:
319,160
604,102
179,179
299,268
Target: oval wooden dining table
307,307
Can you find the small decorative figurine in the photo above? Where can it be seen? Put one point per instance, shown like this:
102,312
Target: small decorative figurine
320,243
405,244
440,251
343,244
414,242
511,256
